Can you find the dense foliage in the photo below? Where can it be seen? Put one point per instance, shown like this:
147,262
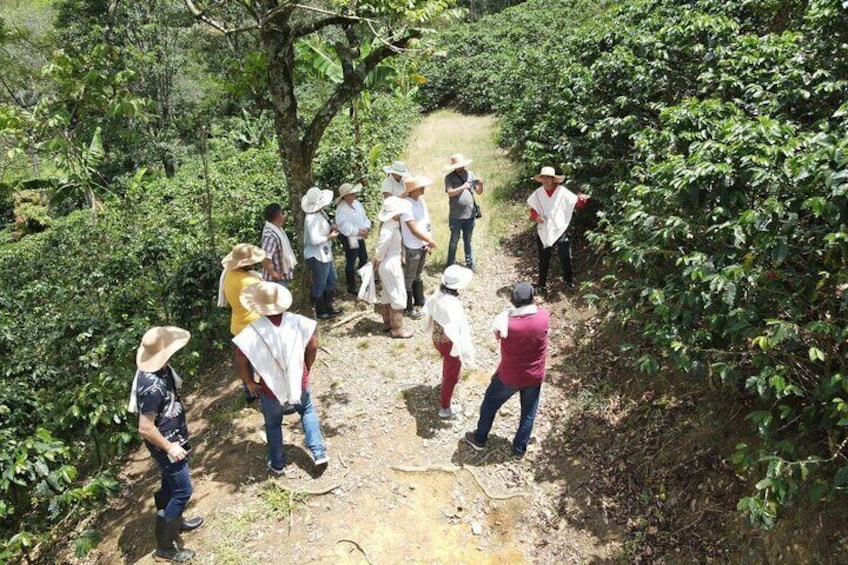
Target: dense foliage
713,135
79,288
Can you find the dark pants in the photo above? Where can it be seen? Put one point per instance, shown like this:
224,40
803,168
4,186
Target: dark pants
176,487
351,255
563,247
496,394
466,228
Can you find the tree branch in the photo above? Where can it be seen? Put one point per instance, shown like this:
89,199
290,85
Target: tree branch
203,16
344,93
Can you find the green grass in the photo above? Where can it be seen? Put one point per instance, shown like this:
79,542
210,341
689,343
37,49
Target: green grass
279,501
234,530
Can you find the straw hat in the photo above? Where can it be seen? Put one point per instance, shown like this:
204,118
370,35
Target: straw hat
549,172
413,183
242,255
456,277
393,206
266,298
457,161
396,168
348,188
315,199
158,345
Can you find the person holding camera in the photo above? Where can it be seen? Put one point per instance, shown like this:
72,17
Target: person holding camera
155,397
461,185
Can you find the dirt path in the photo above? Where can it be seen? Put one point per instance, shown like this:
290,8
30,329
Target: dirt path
377,400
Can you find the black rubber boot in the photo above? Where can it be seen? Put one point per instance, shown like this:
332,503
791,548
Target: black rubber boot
166,537
350,279
408,309
321,308
188,524
329,298
418,293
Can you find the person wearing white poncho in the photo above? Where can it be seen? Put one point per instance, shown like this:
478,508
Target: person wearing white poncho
551,208
452,338
354,226
387,261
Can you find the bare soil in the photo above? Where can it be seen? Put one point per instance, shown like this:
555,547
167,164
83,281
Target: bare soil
621,469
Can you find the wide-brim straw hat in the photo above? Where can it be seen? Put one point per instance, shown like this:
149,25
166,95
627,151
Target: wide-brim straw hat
548,172
458,161
315,199
413,183
396,168
346,189
393,206
243,255
266,298
158,345
456,277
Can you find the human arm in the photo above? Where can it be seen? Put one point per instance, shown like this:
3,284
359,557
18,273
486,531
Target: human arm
582,199
242,366
148,430
311,351
345,220
382,244
412,226
317,229
269,268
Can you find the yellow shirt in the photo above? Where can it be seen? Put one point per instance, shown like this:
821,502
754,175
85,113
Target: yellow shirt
235,282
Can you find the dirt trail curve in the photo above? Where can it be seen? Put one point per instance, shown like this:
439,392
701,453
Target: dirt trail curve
377,400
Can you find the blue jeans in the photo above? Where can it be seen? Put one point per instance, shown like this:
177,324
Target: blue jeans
496,395
176,486
273,412
467,228
323,276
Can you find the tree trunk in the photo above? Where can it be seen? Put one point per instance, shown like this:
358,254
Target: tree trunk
297,164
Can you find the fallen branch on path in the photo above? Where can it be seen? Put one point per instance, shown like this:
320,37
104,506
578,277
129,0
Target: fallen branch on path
347,319
359,547
455,469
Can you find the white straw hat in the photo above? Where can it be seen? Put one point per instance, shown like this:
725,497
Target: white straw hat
348,188
413,183
457,161
315,199
266,298
158,345
456,277
396,168
242,255
393,206
549,172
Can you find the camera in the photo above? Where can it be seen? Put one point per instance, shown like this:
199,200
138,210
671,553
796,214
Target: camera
475,183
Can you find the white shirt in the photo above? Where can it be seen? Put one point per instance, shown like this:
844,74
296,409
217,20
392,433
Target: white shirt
351,219
316,237
557,210
421,215
392,186
389,243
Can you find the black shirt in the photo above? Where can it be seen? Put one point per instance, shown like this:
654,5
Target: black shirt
157,395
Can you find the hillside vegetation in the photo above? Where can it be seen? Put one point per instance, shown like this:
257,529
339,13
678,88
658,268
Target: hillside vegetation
712,136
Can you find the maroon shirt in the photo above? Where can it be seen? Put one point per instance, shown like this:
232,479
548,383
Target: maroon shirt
525,349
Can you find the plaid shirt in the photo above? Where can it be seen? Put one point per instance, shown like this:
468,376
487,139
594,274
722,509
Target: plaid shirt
274,251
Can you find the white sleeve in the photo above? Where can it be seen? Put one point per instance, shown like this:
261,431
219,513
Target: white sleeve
344,220
317,230
383,242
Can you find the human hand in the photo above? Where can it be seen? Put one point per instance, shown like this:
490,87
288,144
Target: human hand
334,233
539,220
253,387
176,452
363,232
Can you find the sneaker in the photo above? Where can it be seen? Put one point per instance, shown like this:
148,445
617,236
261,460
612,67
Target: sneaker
472,441
446,414
416,313
540,289
516,454
278,472
321,459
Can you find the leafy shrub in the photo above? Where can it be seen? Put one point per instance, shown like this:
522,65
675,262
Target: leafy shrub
712,136
80,294
31,211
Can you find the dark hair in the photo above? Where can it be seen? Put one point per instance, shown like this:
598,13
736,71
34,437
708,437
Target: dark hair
272,211
446,290
522,294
